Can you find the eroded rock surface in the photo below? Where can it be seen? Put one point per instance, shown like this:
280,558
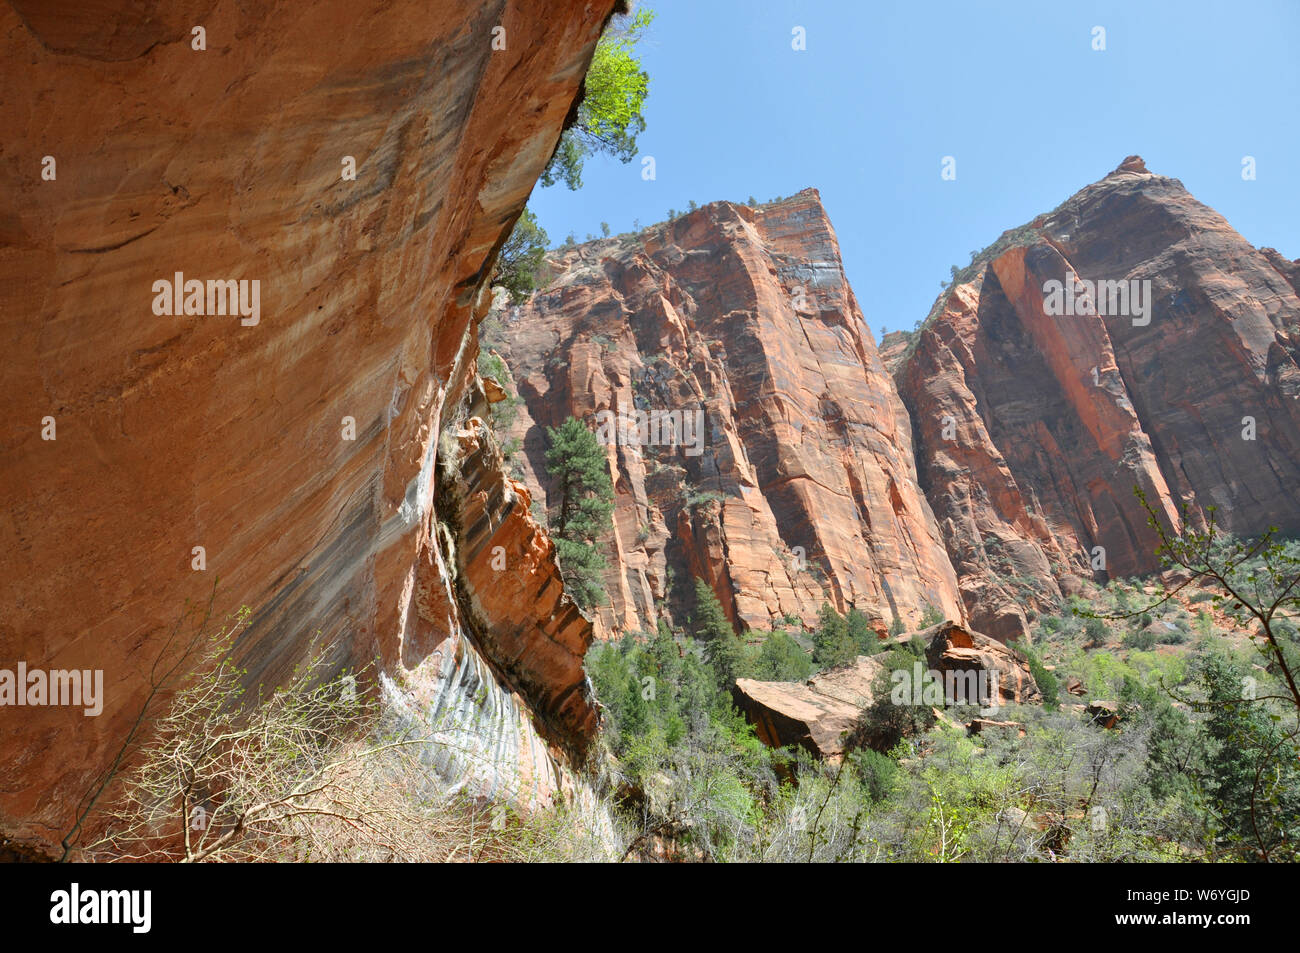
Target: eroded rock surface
184,431
815,714
801,488
1033,429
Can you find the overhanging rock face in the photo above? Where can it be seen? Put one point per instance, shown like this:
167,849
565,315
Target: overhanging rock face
298,451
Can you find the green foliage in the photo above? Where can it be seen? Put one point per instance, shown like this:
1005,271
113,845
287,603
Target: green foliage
723,648
610,115
832,642
1252,778
502,414
1043,679
1176,751
879,772
584,493
1257,581
860,631
1214,778
688,763
931,615
782,659
521,259
1140,639
700,497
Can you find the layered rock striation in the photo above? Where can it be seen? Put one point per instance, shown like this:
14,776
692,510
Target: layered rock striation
1176,375
291,449
755,439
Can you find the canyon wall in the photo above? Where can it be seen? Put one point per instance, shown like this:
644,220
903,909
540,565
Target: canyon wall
1033,429
1031,422
800,486
298,445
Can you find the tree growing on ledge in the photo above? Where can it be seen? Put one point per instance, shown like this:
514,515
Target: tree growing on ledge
519,263
609,117
584,497
833,644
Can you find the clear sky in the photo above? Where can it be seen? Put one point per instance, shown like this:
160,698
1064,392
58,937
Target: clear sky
1012,89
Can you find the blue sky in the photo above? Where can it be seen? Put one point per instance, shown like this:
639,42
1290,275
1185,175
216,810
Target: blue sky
1012,90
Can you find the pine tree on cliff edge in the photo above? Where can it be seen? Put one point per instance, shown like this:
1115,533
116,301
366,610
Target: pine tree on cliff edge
584,496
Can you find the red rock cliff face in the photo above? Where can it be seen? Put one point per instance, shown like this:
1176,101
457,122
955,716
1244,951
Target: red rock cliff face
802,488
180,431
1034,428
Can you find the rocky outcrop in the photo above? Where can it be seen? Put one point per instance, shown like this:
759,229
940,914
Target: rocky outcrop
961,667
290,450
951,648
798,486
525,621
816,714
1033,428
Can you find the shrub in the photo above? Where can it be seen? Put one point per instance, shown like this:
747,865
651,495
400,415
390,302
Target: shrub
1043,679
781,659
1141,639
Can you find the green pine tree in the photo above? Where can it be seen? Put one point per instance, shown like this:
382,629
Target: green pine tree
861,632
1253,783
722,647
584,502
832,644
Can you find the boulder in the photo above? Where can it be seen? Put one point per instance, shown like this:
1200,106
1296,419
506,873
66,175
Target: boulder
814,714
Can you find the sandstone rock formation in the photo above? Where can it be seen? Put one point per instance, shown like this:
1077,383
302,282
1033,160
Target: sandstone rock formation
300,452
1034,428
954,648
801,487
815,714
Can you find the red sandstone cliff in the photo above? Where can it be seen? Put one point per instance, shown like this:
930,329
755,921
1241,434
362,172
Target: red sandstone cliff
181,431
1052,420
803,487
